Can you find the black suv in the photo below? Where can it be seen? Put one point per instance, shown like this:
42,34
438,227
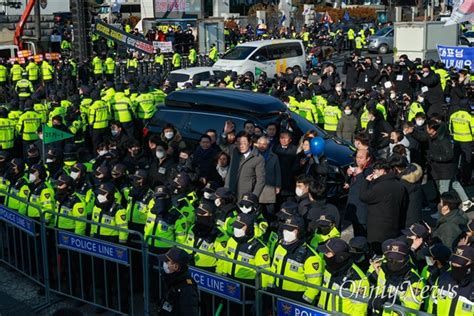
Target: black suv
193,111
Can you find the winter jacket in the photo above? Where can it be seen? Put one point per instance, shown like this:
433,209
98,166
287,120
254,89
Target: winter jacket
411,180
386,204
246,174
440,156
449,227
346,127
434,94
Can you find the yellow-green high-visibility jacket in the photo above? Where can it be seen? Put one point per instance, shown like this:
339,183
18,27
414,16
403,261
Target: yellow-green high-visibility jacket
461,125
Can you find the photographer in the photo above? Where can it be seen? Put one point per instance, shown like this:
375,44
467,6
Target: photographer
330,77
401,74
430,85
367,74
351,69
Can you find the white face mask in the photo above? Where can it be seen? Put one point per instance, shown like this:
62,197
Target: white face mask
169,135
393,96
425,74
101,198
348,112
207,195
239,232
218,202
166,268
74,175
429,261
114,132
338,89
49,160
102,152
32,177
420,99
289,236
245,209
160,154
420,122
299,192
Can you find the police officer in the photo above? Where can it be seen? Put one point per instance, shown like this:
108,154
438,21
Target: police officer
332,114
184,197
54,163
16,73
436,264
98,119
203,235
3,73
461,125
453,294
293,258
341,272
132,64
109,68
326,228
7,131
244,247
33,71
40,196
249,205
97,67
145,105
47,75
107,211
176,60
28,124
83,187
213,54
397,280
18,182
192,57
159,59
226,210
24,88
164,222
123,110
181,295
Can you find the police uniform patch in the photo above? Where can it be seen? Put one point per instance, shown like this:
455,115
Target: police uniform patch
189,281
265,257
80,210
47,195
123,217
316,266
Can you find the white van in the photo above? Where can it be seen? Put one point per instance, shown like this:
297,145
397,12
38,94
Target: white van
271,56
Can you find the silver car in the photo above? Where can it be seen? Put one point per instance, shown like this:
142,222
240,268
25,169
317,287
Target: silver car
382,41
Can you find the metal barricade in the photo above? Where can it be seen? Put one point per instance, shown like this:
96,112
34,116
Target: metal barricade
98,271
127,278
23,244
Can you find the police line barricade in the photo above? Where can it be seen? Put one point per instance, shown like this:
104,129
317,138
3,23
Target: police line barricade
23,244
97,271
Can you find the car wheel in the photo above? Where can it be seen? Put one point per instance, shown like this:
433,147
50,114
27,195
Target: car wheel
383,49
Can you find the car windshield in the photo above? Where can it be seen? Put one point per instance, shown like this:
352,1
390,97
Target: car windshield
239,53
383,31
177,77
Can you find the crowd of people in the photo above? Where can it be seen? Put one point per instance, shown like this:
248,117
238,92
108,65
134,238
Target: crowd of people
257,194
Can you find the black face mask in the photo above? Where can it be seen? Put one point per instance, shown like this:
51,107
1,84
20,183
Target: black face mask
30,161
324,230
396,266
161,206
182,161
203,223
334,264
461,274
62,194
